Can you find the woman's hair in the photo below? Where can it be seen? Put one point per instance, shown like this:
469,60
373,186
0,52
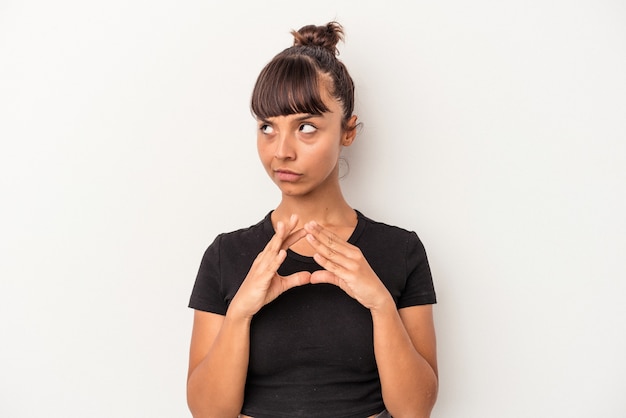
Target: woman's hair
290,82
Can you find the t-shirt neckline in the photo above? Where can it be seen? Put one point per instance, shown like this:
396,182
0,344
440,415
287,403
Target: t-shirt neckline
353,239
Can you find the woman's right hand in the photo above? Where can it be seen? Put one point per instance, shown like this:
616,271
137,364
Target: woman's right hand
263,284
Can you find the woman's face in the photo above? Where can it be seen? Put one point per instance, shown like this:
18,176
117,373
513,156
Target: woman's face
300,152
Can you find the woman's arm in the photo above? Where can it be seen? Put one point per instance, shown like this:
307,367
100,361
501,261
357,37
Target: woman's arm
404,341
220,345
405,349
218,363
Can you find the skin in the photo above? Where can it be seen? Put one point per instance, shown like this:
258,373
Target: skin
300,154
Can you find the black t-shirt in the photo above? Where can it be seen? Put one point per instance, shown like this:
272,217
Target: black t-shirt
311,349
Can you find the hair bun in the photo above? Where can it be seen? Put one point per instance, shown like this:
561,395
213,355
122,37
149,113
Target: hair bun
327,36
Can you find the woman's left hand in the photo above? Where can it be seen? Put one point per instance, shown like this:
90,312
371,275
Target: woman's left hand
345,266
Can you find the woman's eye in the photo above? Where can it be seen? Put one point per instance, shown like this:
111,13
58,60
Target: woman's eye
266,129
307,128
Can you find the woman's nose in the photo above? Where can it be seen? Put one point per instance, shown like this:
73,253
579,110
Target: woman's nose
284,148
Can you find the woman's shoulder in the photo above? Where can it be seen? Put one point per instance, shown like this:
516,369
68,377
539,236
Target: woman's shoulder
381,227
251,229
253,235
374,235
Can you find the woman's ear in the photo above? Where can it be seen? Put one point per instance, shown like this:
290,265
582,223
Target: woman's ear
350,132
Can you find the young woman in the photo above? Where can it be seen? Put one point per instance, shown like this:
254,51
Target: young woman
317,310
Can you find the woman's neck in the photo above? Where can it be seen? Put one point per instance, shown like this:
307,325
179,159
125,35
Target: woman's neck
332,211
335,215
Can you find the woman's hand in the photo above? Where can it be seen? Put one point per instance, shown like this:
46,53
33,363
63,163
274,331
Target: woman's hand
263,284
345,266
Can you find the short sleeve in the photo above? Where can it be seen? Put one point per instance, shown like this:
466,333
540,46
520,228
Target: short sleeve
419,288
207,292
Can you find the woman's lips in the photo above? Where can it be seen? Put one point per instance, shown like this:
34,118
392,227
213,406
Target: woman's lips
286,175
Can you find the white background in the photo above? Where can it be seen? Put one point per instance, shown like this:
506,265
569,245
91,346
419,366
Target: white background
496,130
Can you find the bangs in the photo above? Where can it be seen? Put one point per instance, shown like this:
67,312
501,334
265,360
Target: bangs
288,85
